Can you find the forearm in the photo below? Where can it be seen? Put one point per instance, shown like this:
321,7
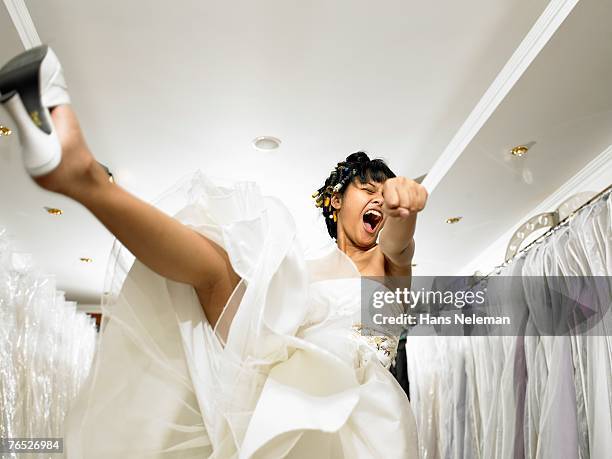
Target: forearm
397,239
159,241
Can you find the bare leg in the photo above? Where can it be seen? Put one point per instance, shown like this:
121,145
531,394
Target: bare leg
159,241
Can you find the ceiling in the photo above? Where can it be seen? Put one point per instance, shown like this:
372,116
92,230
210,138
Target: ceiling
161,92
562,108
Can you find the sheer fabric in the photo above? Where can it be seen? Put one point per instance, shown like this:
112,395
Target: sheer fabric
283,374
46,349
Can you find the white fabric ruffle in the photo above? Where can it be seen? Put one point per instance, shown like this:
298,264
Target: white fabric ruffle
281,375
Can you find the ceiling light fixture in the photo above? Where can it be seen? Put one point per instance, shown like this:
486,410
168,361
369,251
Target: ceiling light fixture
54,211
519,150
266,143
453,220
4,131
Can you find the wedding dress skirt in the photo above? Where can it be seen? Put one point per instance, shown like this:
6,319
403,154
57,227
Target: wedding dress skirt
284,373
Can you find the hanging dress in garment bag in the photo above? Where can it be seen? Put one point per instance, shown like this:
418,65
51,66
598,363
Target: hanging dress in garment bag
591,236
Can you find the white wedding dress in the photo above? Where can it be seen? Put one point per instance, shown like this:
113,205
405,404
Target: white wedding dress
285,373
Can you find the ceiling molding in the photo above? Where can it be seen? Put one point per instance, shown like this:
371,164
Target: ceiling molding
595,176
18,11
535,40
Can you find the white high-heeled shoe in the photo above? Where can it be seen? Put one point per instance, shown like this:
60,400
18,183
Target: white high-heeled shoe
31,84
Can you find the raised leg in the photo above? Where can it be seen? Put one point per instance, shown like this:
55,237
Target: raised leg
159,241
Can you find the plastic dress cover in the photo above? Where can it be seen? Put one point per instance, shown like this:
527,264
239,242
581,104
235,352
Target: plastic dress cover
539,395
46,350
283,374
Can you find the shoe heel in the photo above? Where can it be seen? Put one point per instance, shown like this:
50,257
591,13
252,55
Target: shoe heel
21,75
23,80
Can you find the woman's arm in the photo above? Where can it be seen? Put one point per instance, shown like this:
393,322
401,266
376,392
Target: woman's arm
403,199
397,240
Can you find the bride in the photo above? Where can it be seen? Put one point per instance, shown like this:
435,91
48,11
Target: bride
225,340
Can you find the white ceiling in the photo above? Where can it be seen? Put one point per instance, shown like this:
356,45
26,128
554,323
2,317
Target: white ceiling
562,106
161,91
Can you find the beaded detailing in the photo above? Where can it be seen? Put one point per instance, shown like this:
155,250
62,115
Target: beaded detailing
385,347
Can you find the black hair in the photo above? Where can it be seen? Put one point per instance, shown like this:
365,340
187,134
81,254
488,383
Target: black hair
357,164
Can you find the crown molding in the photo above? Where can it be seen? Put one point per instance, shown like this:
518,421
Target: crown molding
535,40
588,176
18,11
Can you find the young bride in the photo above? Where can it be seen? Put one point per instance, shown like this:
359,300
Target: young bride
225,340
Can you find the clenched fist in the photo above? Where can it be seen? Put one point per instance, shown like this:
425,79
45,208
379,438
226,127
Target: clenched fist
403,197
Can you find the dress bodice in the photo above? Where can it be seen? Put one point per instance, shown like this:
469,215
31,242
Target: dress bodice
335,297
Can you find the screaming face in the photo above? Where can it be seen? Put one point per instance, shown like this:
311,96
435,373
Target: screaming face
360,215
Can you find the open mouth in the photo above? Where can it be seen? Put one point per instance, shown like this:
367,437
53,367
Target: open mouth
371,220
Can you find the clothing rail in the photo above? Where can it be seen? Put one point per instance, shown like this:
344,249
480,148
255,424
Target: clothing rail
547,234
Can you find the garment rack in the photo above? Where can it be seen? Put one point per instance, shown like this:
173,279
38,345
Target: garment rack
549,232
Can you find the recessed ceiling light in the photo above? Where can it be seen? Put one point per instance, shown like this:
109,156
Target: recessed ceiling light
519,150
86,260
452,220
266,143
54,211
4,131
